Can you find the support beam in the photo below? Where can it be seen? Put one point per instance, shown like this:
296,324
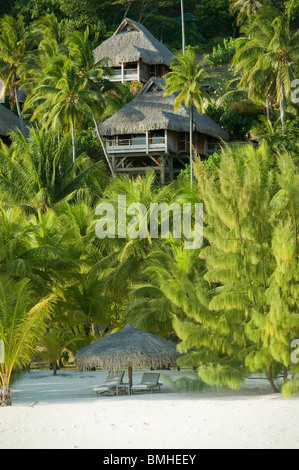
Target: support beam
162,170
147,142
170,160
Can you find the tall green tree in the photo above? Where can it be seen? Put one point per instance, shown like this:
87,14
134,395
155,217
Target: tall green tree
38,172
268,56
22,323
245,8
282,323
14,46
190,81
70,88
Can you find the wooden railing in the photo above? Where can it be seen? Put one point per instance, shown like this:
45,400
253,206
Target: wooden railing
135,145
129,75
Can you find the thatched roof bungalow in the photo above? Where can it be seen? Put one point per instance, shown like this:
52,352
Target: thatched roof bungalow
134,53
148,129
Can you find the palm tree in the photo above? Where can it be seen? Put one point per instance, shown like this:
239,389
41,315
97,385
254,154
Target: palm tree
189,79
14,46
67,88
22,322
245,8
54,344
268,56
38,172
172,287
123,257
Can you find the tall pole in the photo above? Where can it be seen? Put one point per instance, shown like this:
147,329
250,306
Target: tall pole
183,27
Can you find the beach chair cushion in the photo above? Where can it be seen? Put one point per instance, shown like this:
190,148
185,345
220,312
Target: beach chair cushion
149,381
112,381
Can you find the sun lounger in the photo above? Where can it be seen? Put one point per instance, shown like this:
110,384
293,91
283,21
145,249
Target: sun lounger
109,386
149,382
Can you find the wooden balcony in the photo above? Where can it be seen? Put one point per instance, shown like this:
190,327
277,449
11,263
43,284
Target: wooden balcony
136,145
125,75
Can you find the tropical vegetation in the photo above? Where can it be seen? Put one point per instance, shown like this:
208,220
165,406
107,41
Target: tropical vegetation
231,305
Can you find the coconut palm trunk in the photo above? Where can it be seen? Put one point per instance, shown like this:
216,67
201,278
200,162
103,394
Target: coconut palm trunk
282,107
103,146
73,134
5,397
268,107
191,143
183,27
16,99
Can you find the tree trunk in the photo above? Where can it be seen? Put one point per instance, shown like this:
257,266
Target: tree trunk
285,374
16,98
141,11
268,108
191,144
127,8
183,27
103,146
73,135
282,108
95,329
270,378
5,397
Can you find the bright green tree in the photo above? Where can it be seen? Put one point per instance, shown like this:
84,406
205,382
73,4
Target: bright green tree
190,80
39,172
245,8
22,323
268,55
282,323
14,47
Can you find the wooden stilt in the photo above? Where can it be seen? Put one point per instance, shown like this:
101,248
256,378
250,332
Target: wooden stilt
162,169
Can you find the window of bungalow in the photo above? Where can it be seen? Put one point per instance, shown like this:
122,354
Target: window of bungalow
124,139
156,70
131,69
152,71
157,137
116,71
138,139
182,142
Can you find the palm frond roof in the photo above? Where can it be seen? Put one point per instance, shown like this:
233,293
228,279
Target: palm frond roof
128,346
152,110
132,42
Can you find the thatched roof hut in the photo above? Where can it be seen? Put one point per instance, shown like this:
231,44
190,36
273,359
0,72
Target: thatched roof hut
128,347
8,121
151,110
132,42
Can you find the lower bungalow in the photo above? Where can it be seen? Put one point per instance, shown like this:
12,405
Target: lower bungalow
148,133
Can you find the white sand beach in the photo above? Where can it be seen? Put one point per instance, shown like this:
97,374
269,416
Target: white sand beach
63,412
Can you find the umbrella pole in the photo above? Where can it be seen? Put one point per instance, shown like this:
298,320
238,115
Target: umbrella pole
130,374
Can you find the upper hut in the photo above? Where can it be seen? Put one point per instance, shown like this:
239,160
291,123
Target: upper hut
134,53
148,133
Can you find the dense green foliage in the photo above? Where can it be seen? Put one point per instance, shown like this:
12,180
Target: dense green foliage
215,18
232,306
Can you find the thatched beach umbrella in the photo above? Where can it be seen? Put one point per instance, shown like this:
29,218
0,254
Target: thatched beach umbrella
127,348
